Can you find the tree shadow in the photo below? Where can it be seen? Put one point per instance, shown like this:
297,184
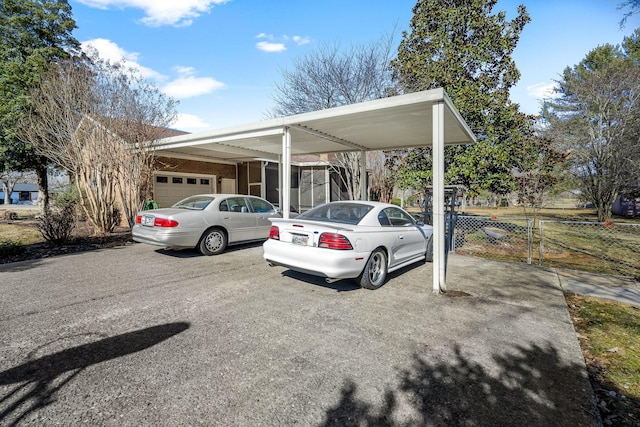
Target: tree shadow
38,380
531,387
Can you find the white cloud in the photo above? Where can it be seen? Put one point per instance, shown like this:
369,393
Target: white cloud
301,40
189,86
186,85
271,47
112,52
542,90
161,12
189,123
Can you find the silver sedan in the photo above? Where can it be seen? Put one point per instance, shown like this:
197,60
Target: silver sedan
208,222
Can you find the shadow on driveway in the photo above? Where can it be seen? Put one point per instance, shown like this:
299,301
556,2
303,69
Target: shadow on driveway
461,392
38,379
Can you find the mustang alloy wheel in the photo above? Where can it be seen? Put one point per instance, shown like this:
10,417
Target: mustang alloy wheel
375,272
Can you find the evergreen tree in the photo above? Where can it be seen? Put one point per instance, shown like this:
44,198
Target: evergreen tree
463,47
596,120
33,35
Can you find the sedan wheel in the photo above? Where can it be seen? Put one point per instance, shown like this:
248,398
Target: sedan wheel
375,272
213,242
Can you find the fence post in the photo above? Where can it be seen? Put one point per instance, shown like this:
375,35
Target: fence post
541,247
530,241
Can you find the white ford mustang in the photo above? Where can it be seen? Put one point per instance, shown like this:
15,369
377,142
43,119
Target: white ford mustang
349,240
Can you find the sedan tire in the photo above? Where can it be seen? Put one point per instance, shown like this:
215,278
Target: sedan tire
375,272
213,242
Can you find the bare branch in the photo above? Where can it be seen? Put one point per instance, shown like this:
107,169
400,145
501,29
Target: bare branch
99,121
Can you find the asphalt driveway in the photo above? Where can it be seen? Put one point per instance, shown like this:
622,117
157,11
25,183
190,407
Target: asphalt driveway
139,336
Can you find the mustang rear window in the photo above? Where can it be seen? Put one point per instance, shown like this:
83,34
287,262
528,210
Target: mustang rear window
347,213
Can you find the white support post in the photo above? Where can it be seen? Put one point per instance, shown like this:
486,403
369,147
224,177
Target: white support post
285,190
439,282
326,173
363,176
280,181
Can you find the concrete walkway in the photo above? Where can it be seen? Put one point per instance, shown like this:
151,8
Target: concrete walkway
613,288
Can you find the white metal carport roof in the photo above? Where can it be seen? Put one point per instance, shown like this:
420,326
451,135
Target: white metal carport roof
426,118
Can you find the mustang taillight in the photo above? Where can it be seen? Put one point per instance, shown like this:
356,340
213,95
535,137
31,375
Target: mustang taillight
165,222
334,241
274,233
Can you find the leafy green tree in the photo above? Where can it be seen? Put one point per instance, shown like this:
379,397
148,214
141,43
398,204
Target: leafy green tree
33,35
462,46
596,120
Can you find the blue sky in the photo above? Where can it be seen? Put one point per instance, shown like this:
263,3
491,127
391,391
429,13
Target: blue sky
222,58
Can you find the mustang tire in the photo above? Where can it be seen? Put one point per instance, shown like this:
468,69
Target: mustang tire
375,272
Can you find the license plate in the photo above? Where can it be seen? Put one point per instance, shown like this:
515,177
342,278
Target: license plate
299,239
147,221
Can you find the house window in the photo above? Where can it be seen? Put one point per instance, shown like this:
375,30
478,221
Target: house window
162,179
191,181
176,180
24,196
204,181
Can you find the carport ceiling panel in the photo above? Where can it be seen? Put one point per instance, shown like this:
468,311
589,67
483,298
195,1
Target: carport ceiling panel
223,151
375,130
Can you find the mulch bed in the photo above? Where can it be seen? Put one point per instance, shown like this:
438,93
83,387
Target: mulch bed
82,240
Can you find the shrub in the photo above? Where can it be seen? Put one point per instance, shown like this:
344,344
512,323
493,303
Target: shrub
10,247
57,222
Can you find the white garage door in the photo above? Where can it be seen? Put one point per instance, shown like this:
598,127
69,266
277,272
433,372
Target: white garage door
171,188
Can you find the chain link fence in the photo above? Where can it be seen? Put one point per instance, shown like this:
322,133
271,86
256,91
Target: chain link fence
508,239
599,247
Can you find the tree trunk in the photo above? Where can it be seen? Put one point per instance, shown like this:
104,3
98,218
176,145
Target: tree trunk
43,187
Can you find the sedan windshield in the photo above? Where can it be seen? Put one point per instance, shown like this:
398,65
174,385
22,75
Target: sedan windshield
346,213
194,202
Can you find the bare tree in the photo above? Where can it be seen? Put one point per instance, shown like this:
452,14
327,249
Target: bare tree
632,7
99,121
331,77
537,173
381,179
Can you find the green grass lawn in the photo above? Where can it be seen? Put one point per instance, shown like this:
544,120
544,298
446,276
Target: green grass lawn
609,336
